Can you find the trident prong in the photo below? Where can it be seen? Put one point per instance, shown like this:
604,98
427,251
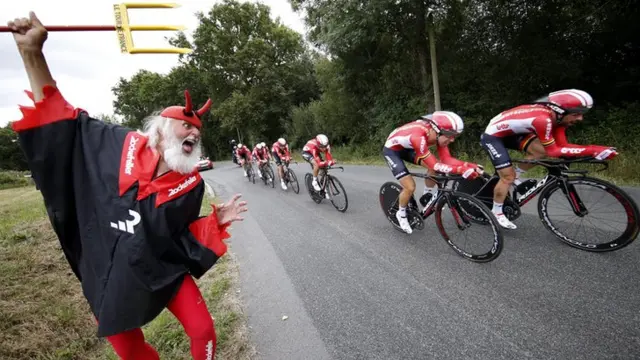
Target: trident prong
123,28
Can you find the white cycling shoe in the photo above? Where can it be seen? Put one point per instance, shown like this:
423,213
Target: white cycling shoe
315,184
504,222
404,223
284,187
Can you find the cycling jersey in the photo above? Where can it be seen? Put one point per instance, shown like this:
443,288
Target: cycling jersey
278,150
243,152
281,150
262,154
410,142
516,128
313,149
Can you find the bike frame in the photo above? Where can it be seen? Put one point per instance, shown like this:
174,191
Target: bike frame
443,190
557,172
322,174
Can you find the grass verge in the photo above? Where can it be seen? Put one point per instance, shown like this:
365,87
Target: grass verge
623,170
43,314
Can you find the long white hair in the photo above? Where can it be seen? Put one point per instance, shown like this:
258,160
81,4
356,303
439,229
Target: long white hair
159,130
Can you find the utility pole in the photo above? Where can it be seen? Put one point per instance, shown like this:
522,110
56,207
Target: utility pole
434,64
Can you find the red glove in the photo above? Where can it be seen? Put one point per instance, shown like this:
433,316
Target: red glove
332,162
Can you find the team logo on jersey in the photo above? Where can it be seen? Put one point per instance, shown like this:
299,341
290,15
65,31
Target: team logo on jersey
572,150
547,133
442,168
502,126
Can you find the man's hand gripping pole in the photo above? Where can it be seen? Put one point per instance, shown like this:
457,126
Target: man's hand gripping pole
124,29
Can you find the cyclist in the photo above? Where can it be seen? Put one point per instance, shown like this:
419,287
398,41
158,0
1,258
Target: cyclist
537,129
411,142
312,153
261,156
244,154
280,151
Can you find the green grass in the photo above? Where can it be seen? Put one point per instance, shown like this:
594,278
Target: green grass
623,170
43,314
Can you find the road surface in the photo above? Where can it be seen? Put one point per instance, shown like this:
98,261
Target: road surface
355,288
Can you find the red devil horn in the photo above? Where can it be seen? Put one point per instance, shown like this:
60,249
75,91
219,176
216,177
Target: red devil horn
187,106
204,108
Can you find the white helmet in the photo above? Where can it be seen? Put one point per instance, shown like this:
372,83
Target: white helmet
259,146
322,139
240,145
282,141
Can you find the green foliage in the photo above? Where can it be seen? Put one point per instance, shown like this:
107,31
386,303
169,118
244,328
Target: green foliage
373,70
11,156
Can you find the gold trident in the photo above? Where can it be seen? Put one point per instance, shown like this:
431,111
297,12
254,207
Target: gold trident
124,29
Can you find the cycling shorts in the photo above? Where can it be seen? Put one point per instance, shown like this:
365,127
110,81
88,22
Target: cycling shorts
309,157
497,147
395,160
276,158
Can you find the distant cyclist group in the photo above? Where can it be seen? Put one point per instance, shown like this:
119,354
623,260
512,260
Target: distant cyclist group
536,129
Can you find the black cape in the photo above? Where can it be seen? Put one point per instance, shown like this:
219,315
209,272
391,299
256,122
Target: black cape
126,236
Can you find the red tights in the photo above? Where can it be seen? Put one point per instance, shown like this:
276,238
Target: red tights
190,309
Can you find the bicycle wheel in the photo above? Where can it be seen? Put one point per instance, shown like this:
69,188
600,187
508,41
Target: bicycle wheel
389,193
269,175
491,241
312,193
334,188
293,181
610,198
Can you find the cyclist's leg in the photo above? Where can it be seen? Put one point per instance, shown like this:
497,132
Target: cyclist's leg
400,172
495,147
278,162
532,146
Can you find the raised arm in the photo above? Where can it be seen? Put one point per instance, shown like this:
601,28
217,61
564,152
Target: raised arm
30,35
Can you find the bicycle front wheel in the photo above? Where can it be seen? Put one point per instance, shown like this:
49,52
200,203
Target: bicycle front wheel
589,214
337,194
270,176
480,243
293,181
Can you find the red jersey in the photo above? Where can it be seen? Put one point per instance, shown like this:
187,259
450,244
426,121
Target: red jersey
282,151
244,150
415,136
538,119
261,154
313,147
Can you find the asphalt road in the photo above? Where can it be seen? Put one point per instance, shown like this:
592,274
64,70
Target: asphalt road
355,288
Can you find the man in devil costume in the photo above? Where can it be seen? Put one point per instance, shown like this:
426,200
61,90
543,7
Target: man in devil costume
125,206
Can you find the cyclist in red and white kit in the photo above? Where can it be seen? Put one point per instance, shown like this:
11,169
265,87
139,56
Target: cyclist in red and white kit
537,129
280,152
244,156
312,153
261,156
411,142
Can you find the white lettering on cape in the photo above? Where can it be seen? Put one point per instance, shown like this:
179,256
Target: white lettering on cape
130,153
182,186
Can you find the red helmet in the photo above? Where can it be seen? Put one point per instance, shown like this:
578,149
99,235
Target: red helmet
446,123
569,101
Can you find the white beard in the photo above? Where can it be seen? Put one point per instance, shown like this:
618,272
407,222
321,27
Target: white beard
176,159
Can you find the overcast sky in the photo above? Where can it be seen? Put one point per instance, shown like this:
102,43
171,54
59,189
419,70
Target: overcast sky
87,64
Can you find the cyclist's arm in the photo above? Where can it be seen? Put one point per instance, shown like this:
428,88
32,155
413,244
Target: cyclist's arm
316,157
328,153
560,147
425,158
